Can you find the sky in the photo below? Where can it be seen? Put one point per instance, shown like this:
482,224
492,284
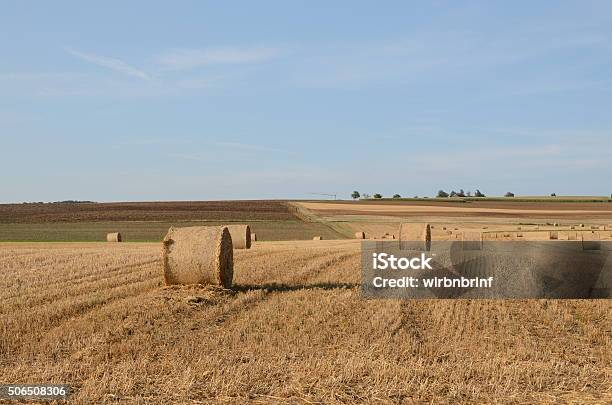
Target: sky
202,100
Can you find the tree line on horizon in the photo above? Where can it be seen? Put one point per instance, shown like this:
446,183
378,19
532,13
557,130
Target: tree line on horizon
441,194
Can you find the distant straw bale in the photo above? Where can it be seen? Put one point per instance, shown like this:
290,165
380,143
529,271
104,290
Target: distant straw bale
415,236
114,237
253,237
360,235
241,236
319,238
198,255
590,241
471,240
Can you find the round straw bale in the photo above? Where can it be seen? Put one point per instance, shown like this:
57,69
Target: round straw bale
590,241
198,255
241,236
360,235
472,240
415,236
317,238
113,237
553,235
253,237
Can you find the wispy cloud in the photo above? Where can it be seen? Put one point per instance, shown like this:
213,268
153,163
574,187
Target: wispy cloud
248,147
110,63
187,156
182,59
233,146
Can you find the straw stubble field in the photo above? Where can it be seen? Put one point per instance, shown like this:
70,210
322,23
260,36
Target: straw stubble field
294,328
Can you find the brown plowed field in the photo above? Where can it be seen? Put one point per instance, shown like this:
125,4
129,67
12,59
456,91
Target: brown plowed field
144,211
294,329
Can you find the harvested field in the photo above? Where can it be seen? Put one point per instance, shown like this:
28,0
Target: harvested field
293,329
492,209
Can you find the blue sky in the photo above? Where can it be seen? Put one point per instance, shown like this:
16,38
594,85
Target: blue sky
229,100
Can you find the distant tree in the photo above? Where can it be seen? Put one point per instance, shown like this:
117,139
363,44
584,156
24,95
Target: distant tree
377,195
442,194
509,194
461,193
355,195
397,196
469,193
365,196
477,193
453,193
416,196
553,194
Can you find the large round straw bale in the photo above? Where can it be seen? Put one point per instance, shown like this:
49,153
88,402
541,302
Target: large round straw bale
415,236
113,237
317,238
241,236
360,235
198,255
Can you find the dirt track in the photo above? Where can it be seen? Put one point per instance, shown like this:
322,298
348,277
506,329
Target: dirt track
294,328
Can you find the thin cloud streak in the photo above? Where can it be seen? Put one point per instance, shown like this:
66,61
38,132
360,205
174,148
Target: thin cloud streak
184,59
114,64
248,147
